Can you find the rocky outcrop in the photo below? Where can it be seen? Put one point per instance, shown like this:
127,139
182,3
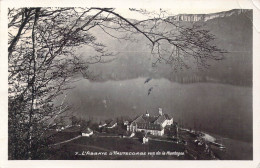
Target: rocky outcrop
206,17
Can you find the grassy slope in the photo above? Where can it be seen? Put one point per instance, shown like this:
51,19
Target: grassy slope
98,144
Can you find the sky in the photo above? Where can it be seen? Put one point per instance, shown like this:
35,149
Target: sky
171,11
173,6
184,6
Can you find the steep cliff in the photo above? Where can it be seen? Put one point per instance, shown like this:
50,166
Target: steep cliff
206,17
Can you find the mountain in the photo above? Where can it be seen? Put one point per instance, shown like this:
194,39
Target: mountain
233,31
206,17
215,100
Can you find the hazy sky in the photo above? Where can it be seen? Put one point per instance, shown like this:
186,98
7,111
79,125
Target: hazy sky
173,6
171,11
180,6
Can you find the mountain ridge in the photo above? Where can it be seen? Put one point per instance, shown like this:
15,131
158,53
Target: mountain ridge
233,33
206,17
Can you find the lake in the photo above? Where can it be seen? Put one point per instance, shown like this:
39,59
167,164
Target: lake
212,107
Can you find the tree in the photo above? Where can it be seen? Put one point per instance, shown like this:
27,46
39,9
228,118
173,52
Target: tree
43,59
75,120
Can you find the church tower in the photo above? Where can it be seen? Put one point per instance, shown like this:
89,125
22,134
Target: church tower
160,111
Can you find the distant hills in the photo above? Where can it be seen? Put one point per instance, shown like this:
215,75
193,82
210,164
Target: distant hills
206,17
233,31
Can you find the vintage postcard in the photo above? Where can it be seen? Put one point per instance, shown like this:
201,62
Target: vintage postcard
136,81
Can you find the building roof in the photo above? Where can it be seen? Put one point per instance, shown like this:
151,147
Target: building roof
108,121
152,119
150,122
160,119
145,119
56,126
110,124
87,130
102,123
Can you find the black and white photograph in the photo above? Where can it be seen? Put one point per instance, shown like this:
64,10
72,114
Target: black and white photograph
129,83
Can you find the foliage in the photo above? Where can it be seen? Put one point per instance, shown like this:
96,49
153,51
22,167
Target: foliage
43,60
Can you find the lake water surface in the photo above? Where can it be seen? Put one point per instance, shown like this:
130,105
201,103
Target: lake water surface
218,108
